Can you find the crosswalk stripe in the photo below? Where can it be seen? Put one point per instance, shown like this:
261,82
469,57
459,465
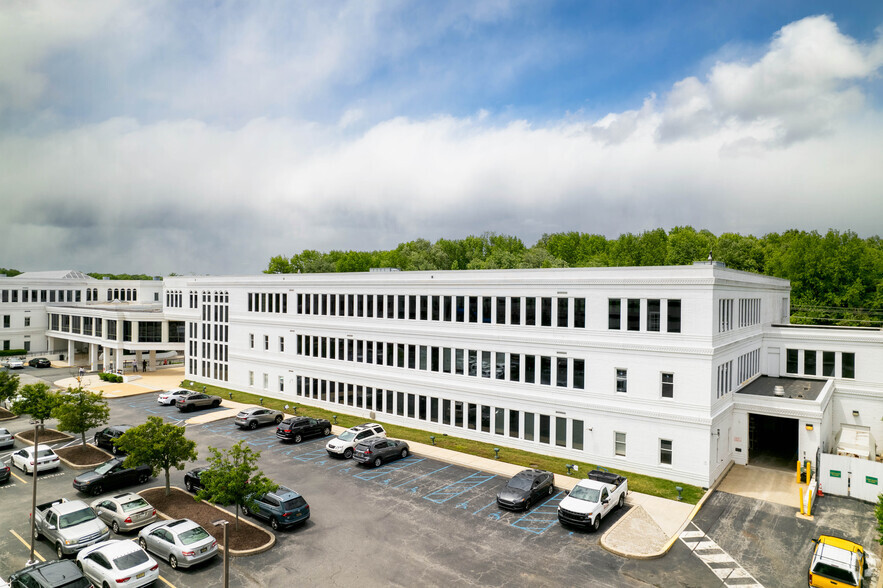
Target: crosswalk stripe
730,573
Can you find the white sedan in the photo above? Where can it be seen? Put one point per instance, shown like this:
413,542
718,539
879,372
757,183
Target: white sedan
118,563
23,459
171,396
15,364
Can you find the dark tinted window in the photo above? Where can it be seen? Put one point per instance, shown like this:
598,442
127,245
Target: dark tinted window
130,560
294,503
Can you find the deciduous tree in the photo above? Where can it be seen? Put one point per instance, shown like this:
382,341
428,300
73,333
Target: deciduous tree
160,445
80,410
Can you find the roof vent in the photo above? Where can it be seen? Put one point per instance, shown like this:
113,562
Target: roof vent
779,390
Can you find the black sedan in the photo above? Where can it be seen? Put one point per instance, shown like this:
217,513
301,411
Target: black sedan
197,400
109,475
378,450
298,428
40,362
105,437
527,487
4,472
193,479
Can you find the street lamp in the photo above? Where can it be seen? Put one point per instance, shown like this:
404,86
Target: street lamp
38,426
224,523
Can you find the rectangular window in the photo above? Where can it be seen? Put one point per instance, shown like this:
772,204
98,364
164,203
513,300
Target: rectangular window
458,414
621,380
266,342
562,372
390,306
424,308
500,366
435,308
530,366
668,385
528,426
389,406
434,359
634,314
423,357
791,366
433,409
473,362
448,304
562,312
674,316
501,310
400,406
401,306
809,362
485,364
514,367
560,432
614,314
412,307
725,315
421,408
513,423
619,444
446,412
486,419
515,311
546,370
545,428
446,360
579,374
653,315
530,311
579,313
665,451
412,357
828,364
458,361
461,308
499,421
577,433
473,309
546,312
486,303
847,367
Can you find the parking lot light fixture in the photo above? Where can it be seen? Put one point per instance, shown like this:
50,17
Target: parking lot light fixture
432,438
569,467
335,418
496,453
223,523
262,401
679,489
38,426
230,394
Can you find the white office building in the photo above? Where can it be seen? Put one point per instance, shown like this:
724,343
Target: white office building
668,371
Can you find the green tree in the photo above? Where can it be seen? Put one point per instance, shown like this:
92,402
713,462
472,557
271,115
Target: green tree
279,264
160,445
38,401
80,410
233,477
8,385
878,510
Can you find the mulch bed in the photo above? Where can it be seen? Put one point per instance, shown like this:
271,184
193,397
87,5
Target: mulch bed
5,414
46,436
181,505
82,454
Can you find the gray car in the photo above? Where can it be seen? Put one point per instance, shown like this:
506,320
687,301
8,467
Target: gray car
256,415
124,512
6,438
197,400
181,542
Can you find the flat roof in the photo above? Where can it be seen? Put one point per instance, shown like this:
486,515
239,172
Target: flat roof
796,388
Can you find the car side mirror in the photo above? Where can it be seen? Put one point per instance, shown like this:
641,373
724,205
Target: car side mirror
567,492
605,501
50,527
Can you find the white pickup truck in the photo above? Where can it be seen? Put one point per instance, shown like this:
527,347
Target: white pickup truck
70,525
592,499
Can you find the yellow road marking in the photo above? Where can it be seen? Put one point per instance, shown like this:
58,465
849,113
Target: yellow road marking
22,480
167,582
26,544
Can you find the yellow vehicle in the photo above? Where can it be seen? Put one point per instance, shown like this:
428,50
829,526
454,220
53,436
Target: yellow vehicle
837,563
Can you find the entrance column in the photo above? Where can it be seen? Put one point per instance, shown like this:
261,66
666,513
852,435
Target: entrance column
151,364
70,352
93,357
138,363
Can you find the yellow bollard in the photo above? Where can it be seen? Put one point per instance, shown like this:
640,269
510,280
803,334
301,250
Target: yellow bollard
800,500
808,471
798,471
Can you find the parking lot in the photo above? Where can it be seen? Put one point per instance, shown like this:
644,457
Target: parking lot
411,522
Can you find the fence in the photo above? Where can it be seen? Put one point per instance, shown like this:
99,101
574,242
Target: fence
850,476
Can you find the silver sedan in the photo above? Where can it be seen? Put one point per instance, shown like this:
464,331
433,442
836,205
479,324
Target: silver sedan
124,512
181,542
256,415
6,438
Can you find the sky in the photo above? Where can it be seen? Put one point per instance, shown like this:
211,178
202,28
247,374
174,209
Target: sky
207,137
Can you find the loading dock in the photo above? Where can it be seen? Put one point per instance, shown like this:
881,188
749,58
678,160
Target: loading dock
772,441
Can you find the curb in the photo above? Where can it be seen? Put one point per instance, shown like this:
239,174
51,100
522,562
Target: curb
233,552
665,549
43,441
91,466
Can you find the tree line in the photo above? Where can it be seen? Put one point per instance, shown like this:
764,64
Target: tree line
836,277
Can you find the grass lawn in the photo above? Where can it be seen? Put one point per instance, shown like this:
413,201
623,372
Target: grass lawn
637,482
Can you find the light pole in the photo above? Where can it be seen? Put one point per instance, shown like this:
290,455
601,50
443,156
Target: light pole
224,523
38,426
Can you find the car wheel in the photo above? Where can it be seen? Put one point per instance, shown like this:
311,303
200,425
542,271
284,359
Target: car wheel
404,453
105,585
142,479
245,510
347,453
115,450
37,533
551,490
142,543
97,489
189,485
59,551
326,431
298,438
115,526
278,419
275,524
596,523
377,462
527,505
253,425
621,501
173,562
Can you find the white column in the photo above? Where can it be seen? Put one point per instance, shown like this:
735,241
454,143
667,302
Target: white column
138,360
70,352
151,363
93,357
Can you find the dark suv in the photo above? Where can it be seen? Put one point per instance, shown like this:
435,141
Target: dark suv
106,437
50,574
378,450
297,428
282,508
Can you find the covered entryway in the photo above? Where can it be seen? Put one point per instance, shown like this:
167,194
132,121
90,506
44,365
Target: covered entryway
772,441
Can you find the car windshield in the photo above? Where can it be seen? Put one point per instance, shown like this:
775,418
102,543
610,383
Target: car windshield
294,503
519,483
347,436
193,535
45,453
130,560
134,504
75,518
4,431
582,493
834,572
105,467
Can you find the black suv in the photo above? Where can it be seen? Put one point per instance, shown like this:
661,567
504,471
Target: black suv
106,437
193,479
296,428
50,574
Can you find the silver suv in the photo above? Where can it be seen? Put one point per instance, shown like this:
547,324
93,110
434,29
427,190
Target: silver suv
255,415
344,443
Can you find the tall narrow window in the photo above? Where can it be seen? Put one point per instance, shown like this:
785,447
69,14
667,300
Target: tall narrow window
668,385
828,364
809,362
545,428
621,380
486,303
579,373
665,451
501,310
562,312
674,316
577,433
530,311
515,311
473,309
561,432
545,370
530,367
791,356
634,316
513,423
546,312
614,312
653,310
514,367
619,444
847,367
561,380
579,313
528,426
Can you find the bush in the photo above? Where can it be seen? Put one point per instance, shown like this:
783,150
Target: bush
109,377
11,352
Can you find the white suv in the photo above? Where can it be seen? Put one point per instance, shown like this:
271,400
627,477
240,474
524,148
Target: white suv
343,444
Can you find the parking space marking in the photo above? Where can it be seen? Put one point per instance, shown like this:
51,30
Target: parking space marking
409,480
716,559
384,470
313,455
14,475
26,544
450,491
542,517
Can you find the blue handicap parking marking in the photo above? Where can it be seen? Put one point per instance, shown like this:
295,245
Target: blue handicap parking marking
541,518
385,470
411,480
314,455
487,505
459,487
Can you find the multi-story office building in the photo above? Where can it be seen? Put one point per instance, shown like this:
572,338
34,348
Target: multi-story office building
668,371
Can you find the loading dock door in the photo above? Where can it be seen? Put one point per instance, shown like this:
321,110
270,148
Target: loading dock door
772,441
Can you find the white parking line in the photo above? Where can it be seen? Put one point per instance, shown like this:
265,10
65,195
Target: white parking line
717,560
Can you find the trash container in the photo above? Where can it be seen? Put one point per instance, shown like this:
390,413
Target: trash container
60,357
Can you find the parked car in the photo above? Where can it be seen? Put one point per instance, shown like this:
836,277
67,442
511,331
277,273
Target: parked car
593,499
6,438
526,488
297,428
15,364
124,512
180,542
197,400
7,404
109,475
379,450
40,362
256,415
23,459
281,508
193,479
169,397
5,472
69,525
344,443
837,562
50,574
106,436
118,563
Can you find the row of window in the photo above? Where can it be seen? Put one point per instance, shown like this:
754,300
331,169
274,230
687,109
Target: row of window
148,331
7,321
215,333
652,313
121,294
806,362
267,302
174,298
749,313
666,448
